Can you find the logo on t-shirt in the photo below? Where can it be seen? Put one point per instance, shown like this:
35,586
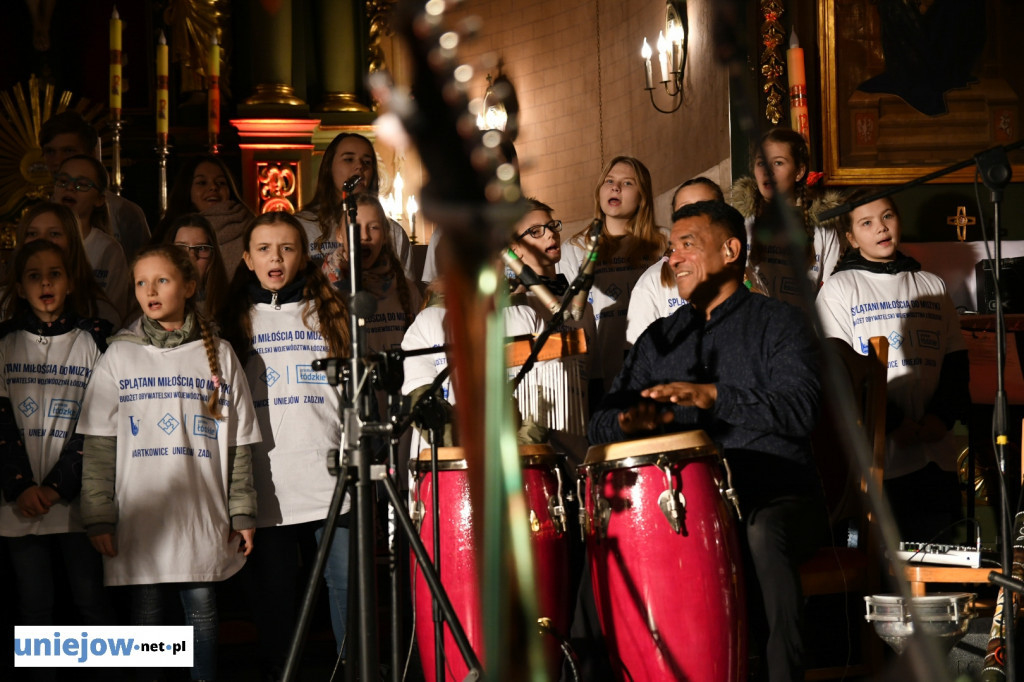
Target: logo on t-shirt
895,339
62,408
270,377
28,407
613,292
168,423
927,339
135,425
305,374
204,426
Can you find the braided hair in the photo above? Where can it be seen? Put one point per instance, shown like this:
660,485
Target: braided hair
181,261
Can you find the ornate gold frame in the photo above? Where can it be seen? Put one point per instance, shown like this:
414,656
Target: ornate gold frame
850,174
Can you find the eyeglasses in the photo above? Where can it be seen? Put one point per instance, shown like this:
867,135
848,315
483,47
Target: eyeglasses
200,251
537,231
64,181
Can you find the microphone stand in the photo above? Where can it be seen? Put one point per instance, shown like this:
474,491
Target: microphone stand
995,171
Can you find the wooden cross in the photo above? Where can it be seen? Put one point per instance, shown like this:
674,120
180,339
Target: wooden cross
962,221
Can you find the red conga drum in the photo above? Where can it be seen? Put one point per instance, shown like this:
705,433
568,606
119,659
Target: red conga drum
665,561
543,492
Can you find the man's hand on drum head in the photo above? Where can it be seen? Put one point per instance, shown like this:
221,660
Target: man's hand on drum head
702,396
644,417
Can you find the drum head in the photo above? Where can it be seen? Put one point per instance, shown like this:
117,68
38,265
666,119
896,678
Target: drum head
630,453
455,458
448,459
940,606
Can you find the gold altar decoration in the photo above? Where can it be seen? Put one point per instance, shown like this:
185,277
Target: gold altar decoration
23,175
195,24
771,59
379,12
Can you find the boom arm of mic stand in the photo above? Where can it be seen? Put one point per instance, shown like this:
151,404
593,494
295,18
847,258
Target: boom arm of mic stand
846,208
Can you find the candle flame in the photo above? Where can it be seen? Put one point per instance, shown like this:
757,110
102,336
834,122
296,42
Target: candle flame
114,15
645,51
411,206
162,40
662,43
675,33
793,40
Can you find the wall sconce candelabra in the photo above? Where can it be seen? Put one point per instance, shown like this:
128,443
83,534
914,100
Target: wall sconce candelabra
671,46
493,115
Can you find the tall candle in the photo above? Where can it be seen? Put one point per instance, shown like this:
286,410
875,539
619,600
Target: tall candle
162,98
645,52
115,65
798,118
411,206
663,55
213,94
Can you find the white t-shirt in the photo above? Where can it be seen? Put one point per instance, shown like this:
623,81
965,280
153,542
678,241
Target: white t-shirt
172,480
45,379
613,283
298,414
399,239
914,312
427,331
651,300
110,268
430,272
779,277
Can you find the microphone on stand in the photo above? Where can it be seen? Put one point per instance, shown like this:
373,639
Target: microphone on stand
579,301
349,185
528,277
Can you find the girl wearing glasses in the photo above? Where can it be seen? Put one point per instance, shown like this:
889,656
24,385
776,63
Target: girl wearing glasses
537,242
205,185
194,233
629,243
79,184
57,224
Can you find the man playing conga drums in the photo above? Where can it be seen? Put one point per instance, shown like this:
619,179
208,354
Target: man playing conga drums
744,368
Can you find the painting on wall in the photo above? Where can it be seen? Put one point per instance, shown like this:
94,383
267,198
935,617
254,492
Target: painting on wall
912,86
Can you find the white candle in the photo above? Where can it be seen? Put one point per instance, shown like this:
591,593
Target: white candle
663,56
645,52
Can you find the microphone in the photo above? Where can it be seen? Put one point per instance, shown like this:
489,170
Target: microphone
351,183
586,276
528,277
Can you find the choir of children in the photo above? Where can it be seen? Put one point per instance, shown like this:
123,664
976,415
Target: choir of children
180,523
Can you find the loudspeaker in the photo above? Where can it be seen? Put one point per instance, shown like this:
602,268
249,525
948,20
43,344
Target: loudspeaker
1011,275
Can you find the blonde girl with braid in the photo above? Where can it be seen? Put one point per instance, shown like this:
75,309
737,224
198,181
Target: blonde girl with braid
167,492
285,314
629,243
781,167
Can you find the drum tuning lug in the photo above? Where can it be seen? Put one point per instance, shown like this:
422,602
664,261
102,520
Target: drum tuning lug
730,494
557,514
417,513
728,491
556,508
673,504
534,522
